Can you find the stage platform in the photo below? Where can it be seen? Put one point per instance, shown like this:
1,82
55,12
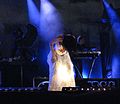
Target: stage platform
32,95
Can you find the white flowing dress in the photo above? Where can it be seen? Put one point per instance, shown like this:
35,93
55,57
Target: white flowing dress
61,73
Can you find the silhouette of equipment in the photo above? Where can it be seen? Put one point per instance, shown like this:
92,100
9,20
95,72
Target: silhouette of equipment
23,44
29,37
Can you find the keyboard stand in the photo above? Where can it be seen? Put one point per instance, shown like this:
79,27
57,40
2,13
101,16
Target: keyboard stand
91,69
89,55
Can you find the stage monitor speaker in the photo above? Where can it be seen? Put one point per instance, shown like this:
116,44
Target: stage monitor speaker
82,83
40,82
98,83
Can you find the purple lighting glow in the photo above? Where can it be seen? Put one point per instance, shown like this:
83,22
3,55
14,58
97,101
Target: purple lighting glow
115,23
33,13
50,21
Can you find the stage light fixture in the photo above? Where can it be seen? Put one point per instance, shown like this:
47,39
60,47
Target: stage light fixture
93,89
12,89
6,89
82,89
88,89
104,89
31,89
19,89
26,89
98,89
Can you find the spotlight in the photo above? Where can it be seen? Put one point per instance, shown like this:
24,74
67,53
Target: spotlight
98,89
31,89
33,13
82,89
93,89
12,89
49,16
26,89
19,89
104,89
88,89
6,89
70,89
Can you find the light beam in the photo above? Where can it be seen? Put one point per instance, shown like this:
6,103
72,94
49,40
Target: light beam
50,21
33,12
115,23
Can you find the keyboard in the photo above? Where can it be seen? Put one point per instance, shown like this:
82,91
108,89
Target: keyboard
81,54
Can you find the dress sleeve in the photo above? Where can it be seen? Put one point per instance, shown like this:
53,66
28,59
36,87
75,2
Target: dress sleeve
53,54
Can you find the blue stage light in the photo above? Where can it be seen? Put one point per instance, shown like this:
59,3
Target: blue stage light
115,23
50,21
33,13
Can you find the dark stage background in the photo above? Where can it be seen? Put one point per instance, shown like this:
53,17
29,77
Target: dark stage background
80,18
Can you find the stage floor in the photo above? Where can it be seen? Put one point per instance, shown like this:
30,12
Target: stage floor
40,96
